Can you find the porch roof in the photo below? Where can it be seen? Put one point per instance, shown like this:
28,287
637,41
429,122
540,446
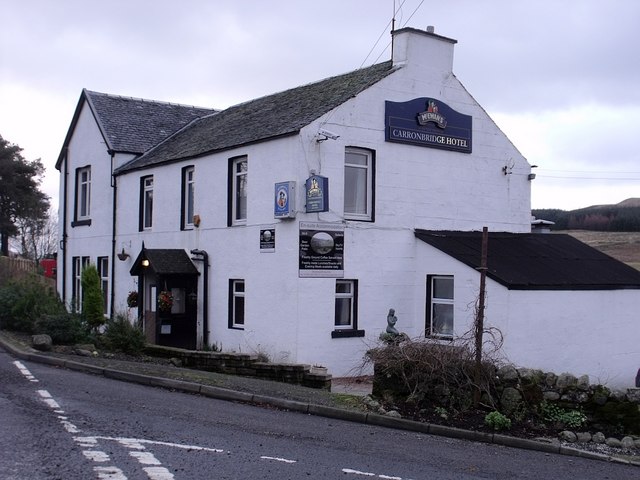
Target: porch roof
533,261
164,261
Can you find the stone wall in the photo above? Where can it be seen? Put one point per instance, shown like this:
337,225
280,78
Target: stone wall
246,365
605,409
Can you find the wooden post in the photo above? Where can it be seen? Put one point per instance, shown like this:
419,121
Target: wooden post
479,326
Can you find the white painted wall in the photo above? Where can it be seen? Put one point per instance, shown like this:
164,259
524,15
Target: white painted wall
86,148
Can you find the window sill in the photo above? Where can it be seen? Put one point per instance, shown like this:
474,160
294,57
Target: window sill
235,327
347,333
81,223
351,218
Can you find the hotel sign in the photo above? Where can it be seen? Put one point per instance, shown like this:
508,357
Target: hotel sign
427,122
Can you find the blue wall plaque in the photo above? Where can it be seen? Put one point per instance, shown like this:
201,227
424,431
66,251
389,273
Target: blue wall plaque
284,201
317,194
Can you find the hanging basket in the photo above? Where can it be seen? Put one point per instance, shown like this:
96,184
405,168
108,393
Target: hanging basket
132,299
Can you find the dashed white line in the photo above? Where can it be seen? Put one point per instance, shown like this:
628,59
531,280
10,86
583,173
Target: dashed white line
357,472
158,473
48,399
145,458
278,459
96,455
369,474
27,374
109,473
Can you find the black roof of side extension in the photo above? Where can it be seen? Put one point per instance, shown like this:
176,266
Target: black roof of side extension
534,261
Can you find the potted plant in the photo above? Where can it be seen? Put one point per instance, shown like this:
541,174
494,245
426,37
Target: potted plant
165,301
132,299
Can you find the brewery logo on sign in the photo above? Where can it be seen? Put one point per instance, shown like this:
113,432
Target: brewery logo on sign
432,115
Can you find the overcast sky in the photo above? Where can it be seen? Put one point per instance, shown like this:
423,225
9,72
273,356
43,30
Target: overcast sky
560,77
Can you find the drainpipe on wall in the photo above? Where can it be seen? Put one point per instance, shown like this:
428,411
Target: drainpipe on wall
205,288
113,237
63,241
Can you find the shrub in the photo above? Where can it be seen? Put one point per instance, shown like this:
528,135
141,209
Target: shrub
22,302
430,373
92,299
569,418
120,335
497,421
63,328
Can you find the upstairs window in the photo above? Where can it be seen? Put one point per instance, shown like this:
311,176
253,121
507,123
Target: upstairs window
83,197
146,203
439,321
358,184
188,197
238,168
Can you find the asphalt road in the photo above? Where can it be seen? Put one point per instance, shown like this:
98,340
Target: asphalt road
60,424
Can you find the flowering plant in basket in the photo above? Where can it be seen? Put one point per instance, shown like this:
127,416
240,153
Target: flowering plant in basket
132,299
165,300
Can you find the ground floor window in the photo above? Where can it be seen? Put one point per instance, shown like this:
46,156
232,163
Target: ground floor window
439,312
236,303
103,271
78,264
346,309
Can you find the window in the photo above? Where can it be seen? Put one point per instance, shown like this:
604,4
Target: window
78,264
103,271
188,193
346,310
146,203
358,184
236,303
238,191
439,306
83,197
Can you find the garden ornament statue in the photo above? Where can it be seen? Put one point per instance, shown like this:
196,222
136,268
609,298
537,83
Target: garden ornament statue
391,323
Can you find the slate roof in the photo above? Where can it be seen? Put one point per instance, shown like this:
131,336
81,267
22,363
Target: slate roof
133,125
534,261
165,261
273,116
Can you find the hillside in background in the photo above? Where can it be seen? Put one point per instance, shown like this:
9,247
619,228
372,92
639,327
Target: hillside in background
621,217
624,246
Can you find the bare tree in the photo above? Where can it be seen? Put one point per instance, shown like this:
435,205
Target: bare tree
37,237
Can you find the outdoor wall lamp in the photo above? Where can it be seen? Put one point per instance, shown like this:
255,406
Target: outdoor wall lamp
122,256
145,262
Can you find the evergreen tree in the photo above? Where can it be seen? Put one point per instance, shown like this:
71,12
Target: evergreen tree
20,197
92,298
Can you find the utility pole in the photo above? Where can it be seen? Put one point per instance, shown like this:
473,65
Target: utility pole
479,326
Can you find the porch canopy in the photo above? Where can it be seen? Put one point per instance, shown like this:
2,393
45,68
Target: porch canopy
164,261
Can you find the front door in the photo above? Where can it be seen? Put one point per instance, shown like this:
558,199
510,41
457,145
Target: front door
171,310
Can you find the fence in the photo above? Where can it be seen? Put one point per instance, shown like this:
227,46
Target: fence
16,268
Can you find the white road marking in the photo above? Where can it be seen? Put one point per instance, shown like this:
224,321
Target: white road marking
277,459
130,442
145,458
158,473
27,374
96,455
48,399
69,427
86,442
369,474
109,473
356,472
